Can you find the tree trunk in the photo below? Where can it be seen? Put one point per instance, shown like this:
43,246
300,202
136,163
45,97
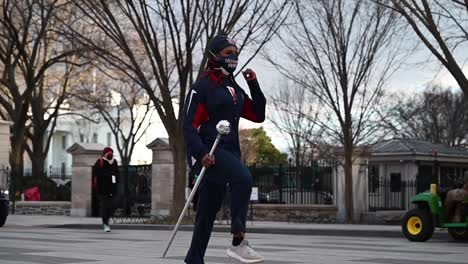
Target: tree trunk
16,162
38,158
177,143
348,170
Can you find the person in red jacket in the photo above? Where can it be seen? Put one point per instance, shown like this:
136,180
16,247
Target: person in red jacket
105,180
214,97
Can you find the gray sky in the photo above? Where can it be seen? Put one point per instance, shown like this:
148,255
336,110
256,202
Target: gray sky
420,70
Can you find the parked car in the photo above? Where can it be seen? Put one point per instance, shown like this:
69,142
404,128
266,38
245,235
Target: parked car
4,206
265,198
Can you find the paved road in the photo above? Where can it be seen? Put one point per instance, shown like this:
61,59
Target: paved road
26,245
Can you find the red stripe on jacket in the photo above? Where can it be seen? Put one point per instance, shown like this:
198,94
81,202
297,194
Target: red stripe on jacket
201,116
248,111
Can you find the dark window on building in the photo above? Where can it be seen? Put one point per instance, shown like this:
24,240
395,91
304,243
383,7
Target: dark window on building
395,182
81,138
424,178
64,142
95,138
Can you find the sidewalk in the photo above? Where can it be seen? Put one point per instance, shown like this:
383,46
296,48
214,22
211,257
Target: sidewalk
47,220
253,227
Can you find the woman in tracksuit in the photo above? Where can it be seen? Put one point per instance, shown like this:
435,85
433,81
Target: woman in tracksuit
214,97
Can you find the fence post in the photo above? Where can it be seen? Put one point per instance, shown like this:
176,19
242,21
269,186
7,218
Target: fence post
84,155
316,184
403,195
360,159
162,177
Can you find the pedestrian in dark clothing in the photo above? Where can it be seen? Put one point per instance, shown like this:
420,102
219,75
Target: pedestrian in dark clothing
105,180
214,97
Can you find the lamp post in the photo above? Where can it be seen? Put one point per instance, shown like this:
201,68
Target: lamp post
436,176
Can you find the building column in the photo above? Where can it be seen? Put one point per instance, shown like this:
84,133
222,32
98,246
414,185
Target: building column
50,155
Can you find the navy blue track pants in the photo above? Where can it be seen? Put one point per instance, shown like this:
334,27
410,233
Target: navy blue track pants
228,169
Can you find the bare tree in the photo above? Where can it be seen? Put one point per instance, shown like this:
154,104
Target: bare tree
48,98
437,115
342,53
155,43
442,26
123,105
27,31
296,116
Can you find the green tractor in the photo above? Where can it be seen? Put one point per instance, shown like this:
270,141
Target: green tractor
418,224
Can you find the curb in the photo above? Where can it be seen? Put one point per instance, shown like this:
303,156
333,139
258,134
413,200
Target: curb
259,230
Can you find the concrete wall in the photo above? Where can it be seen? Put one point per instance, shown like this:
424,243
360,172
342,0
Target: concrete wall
407,169
383,218
42,208
294,213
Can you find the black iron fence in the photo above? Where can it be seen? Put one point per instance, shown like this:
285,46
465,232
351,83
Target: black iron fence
137,180
63,174
391,194
60,175
55,185
289,184
134,191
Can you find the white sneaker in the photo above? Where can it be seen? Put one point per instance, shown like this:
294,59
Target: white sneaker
107,229
244,253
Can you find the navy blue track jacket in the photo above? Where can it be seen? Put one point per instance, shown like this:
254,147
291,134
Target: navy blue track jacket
215,97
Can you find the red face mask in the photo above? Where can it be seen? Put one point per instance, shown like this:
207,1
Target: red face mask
109,155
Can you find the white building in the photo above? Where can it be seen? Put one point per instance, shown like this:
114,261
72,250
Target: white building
75,128
4,151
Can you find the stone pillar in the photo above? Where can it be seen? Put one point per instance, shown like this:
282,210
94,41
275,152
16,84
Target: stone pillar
84,155
360,184
162,180
339,192
4,151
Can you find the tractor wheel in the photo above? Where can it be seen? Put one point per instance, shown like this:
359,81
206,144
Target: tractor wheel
459,234
418,225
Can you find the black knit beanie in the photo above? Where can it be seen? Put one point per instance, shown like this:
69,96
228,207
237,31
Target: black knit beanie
220,42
